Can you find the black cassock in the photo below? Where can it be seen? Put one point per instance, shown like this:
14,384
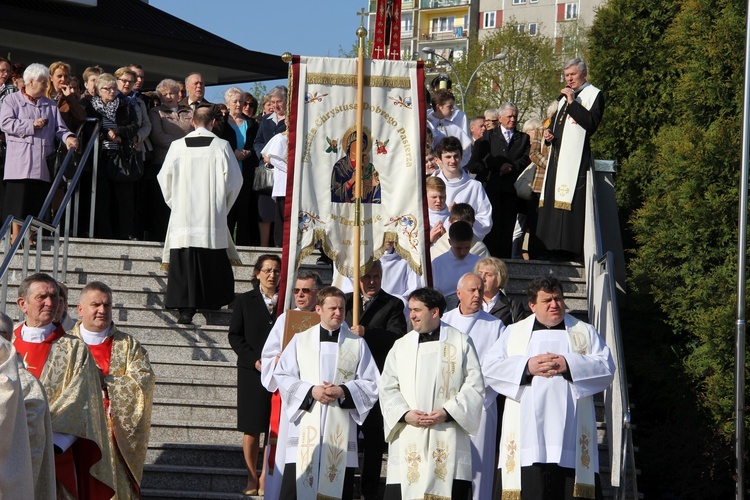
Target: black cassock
561,231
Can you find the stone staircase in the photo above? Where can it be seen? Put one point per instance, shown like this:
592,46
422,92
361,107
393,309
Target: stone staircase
194,449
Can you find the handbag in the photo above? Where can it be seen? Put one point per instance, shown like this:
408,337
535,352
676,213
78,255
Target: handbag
263,180
126,165
523,183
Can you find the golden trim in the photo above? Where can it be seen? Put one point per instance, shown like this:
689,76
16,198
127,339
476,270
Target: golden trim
430,496
335,79
581,490
511,495
562,205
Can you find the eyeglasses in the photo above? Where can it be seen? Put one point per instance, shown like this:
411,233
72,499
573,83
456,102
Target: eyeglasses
108,89
305,291
270,271
491,121
125,82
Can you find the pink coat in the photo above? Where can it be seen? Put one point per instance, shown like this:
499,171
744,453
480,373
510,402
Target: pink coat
28,147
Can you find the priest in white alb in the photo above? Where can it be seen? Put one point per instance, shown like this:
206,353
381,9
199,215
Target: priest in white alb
549,366
328,382
305,296
431,392
484,329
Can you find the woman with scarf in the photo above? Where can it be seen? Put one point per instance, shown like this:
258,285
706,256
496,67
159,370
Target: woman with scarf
253,316
31,123
114,200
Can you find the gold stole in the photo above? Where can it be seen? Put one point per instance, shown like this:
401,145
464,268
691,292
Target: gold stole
320,469
510,443
428,461
570,153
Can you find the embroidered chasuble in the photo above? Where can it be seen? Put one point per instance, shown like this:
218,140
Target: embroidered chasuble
549,420
484,329
429,376
322,439
70,378
128,402
16,476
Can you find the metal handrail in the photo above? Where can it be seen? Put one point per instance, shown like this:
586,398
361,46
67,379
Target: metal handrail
602,264
38,223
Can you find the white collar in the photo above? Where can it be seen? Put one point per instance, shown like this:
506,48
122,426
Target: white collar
94,338
37,335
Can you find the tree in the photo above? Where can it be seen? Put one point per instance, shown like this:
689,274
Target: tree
529,77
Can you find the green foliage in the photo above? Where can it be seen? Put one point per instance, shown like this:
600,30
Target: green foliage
672,72
529,77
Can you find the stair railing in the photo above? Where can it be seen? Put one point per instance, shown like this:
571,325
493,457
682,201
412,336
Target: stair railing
604,315
31,224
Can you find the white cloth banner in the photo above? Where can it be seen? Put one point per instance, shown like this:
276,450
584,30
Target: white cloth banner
322,140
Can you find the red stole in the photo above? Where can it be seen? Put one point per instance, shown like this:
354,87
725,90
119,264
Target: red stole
102,354
35,354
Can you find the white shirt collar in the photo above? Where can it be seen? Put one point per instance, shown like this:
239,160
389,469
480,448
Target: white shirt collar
94,338
487,306
37,335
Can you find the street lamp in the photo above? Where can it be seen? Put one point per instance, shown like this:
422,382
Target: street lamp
498,57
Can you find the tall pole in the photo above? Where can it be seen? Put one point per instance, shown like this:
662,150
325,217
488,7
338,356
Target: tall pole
361,34
739,362
499,57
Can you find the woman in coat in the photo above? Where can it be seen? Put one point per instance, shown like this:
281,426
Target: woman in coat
31,123
253,316
114,200
240,131
494,273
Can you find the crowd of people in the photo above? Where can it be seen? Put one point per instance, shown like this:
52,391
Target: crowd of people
478,397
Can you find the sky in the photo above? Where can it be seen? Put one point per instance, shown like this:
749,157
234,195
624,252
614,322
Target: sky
302,27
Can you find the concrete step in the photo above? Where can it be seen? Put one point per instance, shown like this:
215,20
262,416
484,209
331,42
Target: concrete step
179,478
148,493
185,431
195,390
199,351
195,455
196,370
195,410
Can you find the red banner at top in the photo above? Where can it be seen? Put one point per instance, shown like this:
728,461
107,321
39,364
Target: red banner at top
387,41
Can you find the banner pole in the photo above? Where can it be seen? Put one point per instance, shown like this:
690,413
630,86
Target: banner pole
361,34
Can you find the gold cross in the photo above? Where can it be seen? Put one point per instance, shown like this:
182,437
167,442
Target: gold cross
362,15
25,362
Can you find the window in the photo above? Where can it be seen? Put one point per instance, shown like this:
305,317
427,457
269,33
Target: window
489,20
519,2
571,11
533,30
520,28
407,25
442,24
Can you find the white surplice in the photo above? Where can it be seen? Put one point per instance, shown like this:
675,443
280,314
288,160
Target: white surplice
468,190
484,329
294,390
549,405
415,378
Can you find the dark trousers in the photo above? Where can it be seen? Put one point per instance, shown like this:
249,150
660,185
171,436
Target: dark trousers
289,483
461,491
278,224
374,445
548,482
115,204
499,241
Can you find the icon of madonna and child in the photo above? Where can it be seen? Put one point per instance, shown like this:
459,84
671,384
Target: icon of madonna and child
343,176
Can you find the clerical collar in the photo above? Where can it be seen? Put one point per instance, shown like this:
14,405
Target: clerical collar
328,335
433,336
540,326
37,335
94,338
202,130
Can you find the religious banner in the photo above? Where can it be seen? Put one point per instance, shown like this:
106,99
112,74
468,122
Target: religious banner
387,40
322,163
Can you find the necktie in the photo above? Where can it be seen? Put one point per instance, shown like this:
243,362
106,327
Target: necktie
508,135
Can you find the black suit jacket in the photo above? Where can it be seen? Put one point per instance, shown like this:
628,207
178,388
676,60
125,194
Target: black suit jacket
249,328
491,152
266,130
507,310
184,102
384,324
226,132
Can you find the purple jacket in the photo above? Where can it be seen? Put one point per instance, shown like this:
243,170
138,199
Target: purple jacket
28,147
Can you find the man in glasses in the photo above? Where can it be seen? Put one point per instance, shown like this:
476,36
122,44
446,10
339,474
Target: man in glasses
381,323
305,293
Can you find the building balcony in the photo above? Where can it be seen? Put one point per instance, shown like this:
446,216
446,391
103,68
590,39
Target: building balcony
436,4
437,36
405,5
407,33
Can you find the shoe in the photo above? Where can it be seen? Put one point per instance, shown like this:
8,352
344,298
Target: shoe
261,492
250,493
186,316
